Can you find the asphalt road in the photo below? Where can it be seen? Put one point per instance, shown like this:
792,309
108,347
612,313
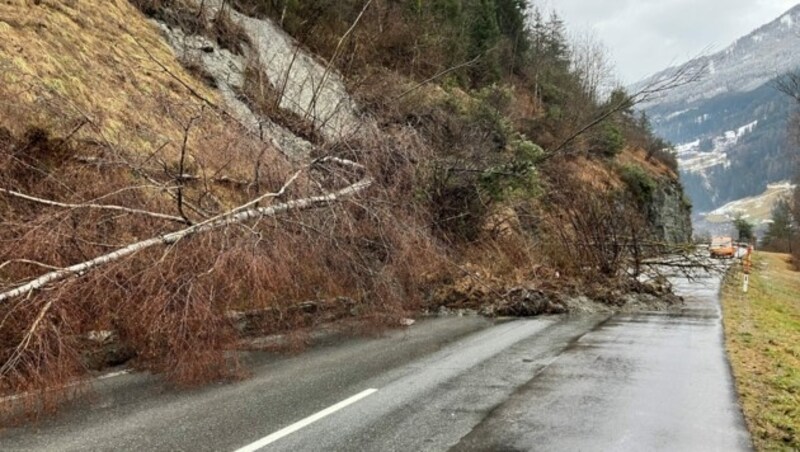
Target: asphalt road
626,382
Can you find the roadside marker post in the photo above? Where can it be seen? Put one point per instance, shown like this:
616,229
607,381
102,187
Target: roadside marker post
747,264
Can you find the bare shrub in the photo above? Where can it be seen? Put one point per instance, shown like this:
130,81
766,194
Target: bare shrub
228,33
264,98
177,13
593,235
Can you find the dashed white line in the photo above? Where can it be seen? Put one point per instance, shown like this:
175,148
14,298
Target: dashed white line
267,440
13,397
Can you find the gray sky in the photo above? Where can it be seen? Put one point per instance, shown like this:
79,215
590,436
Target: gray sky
645,36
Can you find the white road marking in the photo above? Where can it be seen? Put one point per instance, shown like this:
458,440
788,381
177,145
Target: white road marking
305,422
119,373
114,374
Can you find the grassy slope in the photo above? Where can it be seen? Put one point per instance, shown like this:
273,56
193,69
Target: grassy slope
763,340
757,208
62,60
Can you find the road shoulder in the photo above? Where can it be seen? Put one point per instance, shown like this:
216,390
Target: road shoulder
762,330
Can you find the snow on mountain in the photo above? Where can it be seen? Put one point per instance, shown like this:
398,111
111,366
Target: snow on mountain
757,209
692,158
730,126
745,65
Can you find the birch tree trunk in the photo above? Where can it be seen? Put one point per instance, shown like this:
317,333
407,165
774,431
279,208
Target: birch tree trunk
240,214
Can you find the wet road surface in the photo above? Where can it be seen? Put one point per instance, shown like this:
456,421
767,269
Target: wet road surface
639,382
650,381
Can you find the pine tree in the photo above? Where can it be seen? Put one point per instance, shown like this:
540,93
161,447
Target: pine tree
549,55
484,37
556,41
744,228
780,234
511,18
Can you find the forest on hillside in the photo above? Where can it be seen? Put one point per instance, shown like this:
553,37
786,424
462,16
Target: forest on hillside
783,233
754,161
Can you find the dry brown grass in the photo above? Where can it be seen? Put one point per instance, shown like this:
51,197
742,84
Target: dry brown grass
587,171
66,60
654,167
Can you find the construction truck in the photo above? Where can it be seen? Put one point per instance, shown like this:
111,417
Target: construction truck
722,248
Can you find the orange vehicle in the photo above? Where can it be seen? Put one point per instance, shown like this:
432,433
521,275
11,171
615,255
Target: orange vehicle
722,248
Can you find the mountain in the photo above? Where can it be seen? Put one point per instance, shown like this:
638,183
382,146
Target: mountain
729,127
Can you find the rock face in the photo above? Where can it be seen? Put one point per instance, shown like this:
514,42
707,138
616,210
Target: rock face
309,88
226,71
671,213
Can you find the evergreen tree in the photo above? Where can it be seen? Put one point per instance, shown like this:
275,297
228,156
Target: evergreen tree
484,33
549,55
557,48
744,228
512,18
780,234
537,33
621,100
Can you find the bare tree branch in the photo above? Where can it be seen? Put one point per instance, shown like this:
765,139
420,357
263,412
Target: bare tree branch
29,262
238,215
682,76
15,357
51,203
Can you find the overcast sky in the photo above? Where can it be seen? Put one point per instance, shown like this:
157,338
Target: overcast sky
645,36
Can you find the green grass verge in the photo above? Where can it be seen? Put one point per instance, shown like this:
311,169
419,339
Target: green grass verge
762,330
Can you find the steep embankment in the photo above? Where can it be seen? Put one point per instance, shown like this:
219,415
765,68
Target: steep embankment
66,63
119,167
367,189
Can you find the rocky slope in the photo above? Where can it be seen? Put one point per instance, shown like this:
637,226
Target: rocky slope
671,213
311,88
304,85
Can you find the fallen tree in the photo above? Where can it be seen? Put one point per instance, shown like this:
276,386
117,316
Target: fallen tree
238,215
